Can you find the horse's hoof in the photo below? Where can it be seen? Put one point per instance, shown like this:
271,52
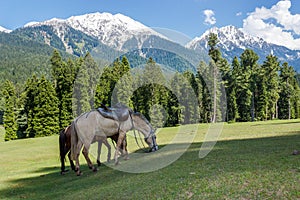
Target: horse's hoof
295,152
64,172
95,169
79,173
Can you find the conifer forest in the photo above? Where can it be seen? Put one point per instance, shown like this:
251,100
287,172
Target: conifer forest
240,91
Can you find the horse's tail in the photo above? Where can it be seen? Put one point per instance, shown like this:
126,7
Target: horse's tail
74,141
62,151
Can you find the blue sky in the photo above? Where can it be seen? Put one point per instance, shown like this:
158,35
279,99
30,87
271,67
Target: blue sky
190,17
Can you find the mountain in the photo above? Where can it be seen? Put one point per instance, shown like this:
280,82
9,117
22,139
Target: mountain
233,41
116,31
107,37
2,29
59,36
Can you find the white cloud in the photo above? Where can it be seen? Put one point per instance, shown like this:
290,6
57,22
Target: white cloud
209,17
279,31
238,14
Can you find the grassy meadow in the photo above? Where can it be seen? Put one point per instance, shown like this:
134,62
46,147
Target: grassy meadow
249,161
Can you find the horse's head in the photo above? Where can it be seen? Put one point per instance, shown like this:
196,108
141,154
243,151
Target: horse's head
143,125
151,141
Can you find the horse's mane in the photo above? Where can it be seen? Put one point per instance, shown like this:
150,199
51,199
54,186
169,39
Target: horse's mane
138,114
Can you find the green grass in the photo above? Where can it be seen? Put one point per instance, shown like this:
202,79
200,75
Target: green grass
250,161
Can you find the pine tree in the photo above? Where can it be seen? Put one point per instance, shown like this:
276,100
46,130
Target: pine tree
123,88
217,66
177,109
247,86
81,97
205,104
270,68
22,117
191,91
287,76
31,88
9,118
64,76
173,110
103,88
233,81
93,76
262,102
45,120
151,91
109,84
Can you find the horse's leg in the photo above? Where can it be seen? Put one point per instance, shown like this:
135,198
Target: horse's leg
118,146
125,152
99,152
62,161
108,148
85,152
62,151
71,161
77,167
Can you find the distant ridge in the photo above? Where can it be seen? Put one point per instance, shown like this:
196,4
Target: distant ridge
234,41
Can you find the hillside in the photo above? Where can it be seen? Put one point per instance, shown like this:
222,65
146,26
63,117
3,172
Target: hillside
21,57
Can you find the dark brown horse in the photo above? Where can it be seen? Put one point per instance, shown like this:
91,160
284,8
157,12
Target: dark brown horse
65,146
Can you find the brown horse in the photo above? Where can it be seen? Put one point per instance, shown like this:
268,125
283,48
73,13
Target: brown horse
65,146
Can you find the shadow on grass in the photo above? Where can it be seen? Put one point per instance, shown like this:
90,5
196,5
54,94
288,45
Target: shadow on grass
234,156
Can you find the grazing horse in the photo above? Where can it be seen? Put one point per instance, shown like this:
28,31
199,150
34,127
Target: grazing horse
65,146
95,123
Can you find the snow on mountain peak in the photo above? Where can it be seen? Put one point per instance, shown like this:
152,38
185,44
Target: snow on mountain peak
112,30
2,29
229,37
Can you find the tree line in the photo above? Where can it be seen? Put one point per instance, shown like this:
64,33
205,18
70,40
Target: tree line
219,91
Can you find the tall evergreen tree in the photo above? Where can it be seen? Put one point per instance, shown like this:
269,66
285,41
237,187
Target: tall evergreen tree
270,72
9,118
191,88
64,76
45,120
107,84
103,88
81,97
287,90
247,86
123,89
296,99
152,92
262,101
233,80
93,76
206,102
218,68
31,88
